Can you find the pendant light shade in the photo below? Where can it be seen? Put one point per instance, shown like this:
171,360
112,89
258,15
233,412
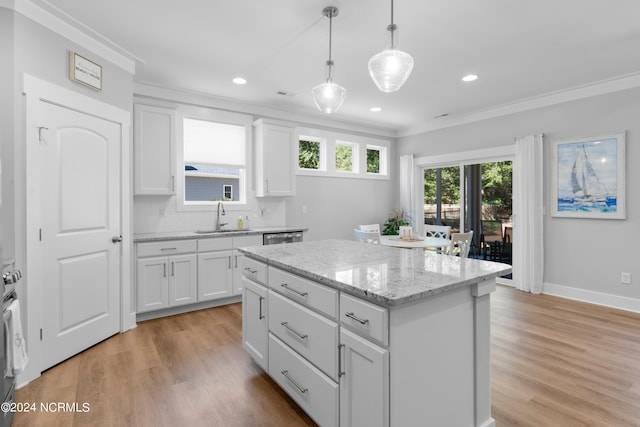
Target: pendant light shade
328,96
390,68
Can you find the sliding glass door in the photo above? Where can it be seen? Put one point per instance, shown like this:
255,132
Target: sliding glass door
474,196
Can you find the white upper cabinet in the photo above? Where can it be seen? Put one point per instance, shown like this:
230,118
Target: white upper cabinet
154,148
275,154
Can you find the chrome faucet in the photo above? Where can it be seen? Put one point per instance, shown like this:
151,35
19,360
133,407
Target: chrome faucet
218,225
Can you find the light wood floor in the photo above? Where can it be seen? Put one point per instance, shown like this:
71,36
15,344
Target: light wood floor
555,362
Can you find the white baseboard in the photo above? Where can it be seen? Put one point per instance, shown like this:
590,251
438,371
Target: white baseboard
600,298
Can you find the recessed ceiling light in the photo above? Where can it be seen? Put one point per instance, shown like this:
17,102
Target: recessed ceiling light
470,78
375,109
239,81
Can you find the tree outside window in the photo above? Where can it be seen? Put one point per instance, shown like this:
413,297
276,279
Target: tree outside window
308,154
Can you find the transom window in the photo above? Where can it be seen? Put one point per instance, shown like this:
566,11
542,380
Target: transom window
327,153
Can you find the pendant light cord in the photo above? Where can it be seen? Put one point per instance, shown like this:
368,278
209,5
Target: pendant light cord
392,28
330,32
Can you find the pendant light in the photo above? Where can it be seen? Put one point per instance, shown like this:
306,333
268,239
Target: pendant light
329,96
390,68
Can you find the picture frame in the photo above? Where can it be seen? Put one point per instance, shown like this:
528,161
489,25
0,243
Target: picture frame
588,177
84,71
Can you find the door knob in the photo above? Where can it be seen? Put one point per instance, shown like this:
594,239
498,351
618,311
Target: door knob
116,239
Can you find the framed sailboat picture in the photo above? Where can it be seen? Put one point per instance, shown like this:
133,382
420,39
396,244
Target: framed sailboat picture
588,177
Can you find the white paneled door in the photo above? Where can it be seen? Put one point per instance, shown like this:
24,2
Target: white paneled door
80,178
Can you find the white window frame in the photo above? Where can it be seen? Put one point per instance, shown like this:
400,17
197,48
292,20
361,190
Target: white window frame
328,154
225,117
383,159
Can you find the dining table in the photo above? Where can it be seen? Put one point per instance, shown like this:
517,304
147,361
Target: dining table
423,242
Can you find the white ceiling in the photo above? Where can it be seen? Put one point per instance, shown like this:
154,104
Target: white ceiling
520,49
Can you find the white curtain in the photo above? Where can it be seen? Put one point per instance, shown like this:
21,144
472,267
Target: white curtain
528,249
406,185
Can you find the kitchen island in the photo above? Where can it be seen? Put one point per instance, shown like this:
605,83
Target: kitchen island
360,334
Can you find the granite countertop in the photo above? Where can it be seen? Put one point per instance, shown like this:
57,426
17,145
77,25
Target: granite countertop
185,235
384,275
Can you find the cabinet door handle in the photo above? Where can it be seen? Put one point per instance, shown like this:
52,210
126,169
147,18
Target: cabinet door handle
236,261
229,262
293,331
173,183
340,371
250,270
168,249
296,385
260,315
164,269
302,294
357,319
173,268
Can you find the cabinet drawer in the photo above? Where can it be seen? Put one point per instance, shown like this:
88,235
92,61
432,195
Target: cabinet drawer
310,334
215,244
316,394
168,247
244,241
368,319
317,297
254,270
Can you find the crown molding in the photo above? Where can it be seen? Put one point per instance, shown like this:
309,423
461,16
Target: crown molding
153,92
602,87
54,19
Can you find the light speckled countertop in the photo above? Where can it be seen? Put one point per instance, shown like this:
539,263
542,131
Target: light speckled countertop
185,235
384,275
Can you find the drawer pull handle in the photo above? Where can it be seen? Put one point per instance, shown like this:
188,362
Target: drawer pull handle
302,294
260,315
298,334
300,389
250,270
357,319
168,249
340,371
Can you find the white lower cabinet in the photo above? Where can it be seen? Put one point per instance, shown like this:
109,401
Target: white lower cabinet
178,272
255,323
316,393
364,383
164,280
215,275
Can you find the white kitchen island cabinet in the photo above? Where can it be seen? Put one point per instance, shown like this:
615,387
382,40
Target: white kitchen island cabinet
409,338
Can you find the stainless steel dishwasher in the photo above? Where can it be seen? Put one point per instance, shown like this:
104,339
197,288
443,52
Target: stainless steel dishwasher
282,237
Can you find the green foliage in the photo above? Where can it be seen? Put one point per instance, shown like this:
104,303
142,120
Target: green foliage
309,155
397,218
343,158
497,183
450,185
373,161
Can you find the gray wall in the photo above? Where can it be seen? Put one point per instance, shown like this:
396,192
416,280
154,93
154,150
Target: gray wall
585,254
335,206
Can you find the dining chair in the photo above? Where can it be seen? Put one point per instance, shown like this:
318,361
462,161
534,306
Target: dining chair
460,244
366,236
442,231
369,227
